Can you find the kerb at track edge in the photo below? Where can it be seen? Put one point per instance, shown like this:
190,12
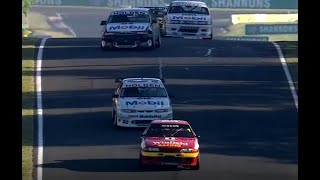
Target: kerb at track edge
39,110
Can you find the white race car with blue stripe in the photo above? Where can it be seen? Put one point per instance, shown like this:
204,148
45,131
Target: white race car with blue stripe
138,101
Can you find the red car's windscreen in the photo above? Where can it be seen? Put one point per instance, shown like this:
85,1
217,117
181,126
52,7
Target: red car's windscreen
170,130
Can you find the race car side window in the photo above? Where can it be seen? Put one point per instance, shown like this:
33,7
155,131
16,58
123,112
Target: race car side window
152,16
146,130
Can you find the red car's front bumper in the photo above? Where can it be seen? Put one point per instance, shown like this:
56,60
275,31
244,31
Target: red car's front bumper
178,159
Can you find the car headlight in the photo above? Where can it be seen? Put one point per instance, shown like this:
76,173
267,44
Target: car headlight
161,110
143,145
128,110
204,23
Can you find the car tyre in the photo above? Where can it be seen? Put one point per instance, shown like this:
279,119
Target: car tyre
158,44
103,48
209,38
153,46
141,165
114,119
196,167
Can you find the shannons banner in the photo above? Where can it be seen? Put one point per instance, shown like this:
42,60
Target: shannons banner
243,38
255,29
236,4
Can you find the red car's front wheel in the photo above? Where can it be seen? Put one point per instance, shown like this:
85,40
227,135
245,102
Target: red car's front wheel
197,166
141,164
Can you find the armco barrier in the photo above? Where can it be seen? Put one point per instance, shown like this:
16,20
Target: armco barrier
263,18
236,4
257,29
243,38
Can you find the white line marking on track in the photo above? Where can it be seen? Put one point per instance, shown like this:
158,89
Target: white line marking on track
288,75
39,109
64,25
209,52
160,67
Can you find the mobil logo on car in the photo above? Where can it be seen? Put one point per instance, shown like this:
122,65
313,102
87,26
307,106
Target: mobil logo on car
193,18
126,27
132,103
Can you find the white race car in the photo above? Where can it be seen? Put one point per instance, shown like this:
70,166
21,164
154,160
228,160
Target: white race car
188,19
138,101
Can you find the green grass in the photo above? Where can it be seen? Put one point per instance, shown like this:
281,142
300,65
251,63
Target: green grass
28,47
38,24
239,30
290,52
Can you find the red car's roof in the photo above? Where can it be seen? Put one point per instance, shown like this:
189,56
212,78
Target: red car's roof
169,122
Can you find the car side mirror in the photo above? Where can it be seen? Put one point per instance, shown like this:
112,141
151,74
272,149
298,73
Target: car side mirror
115,96
154,21
103,23
198,136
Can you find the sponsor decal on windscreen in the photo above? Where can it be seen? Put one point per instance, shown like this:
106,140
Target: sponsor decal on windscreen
187,4
127,27
129,12
143,85
170,143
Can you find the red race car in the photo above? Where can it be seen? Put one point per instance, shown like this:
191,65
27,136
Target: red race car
170,142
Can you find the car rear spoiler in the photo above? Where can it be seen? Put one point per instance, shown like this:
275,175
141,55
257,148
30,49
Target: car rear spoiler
118,80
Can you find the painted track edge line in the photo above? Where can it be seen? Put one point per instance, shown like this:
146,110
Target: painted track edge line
288,75
39,110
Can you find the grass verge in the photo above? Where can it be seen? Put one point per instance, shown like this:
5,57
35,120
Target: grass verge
28,63
38,23
290,52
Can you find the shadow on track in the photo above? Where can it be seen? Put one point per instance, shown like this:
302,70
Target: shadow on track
78,48
105,165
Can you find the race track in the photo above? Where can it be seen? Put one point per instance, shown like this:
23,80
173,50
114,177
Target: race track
235,95
237,98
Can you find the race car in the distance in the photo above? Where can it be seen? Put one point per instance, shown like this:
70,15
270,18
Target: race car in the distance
130,28
169,142
159,13
138,101
188,19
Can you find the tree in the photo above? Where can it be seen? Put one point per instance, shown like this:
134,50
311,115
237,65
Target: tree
26,6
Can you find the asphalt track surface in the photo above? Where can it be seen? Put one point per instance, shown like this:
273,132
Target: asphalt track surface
237,99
